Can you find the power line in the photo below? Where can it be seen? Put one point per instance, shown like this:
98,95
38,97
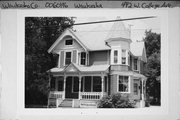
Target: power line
114,20
117,30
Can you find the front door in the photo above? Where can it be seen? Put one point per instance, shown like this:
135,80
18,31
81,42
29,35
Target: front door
72,87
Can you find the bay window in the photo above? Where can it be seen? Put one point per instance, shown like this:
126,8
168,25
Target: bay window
115,56
136,88
123,85
123,57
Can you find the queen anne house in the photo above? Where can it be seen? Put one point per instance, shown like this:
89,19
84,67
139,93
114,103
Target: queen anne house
95,63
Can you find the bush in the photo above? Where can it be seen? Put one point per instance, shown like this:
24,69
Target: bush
116,101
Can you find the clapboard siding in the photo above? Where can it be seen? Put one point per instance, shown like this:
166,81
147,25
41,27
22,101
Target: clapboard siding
98,57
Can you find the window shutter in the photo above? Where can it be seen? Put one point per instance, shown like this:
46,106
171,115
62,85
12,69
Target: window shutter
56,56
62,59
74,56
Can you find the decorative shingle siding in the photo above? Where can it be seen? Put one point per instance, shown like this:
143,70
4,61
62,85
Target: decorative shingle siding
62,59
119,68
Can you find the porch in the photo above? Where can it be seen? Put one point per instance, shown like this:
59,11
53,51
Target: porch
74,89
73,86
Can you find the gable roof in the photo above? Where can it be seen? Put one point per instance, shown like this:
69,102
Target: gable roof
138,49
65,33
95,39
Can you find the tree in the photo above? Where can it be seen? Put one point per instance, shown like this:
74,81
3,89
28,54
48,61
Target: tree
40,34
153,66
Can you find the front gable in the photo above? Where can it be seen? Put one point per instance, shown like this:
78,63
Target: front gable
144,58
67,34
62,45
71,68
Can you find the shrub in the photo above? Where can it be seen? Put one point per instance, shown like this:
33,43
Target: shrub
116,101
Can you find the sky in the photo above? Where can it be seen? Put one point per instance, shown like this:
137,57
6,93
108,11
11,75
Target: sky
138,27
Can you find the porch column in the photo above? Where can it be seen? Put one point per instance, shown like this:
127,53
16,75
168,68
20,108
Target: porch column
142,103
102,85
64,87
79,87
142,94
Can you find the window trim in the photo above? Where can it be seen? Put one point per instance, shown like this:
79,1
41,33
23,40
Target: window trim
129,87
65,56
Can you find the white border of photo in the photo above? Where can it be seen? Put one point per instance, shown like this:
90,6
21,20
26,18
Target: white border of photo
13,67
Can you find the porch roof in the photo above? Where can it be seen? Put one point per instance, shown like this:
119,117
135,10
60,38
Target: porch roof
74,68
130,73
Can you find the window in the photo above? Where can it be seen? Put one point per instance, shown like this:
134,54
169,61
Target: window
83,58
123,84
68,58
115,56
68,42
135,64
135,89
124,57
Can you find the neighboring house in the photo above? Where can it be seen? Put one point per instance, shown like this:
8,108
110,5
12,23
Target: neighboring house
94,64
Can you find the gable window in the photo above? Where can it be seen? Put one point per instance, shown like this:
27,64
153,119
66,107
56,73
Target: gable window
135,64
123,84
115,56
68,58
83,58
69,42
123,57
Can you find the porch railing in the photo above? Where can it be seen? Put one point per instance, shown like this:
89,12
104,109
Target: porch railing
91,95
56,94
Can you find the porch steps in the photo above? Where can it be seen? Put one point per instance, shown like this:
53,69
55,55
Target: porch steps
66,103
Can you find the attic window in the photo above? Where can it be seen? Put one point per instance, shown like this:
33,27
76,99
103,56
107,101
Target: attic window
69,42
